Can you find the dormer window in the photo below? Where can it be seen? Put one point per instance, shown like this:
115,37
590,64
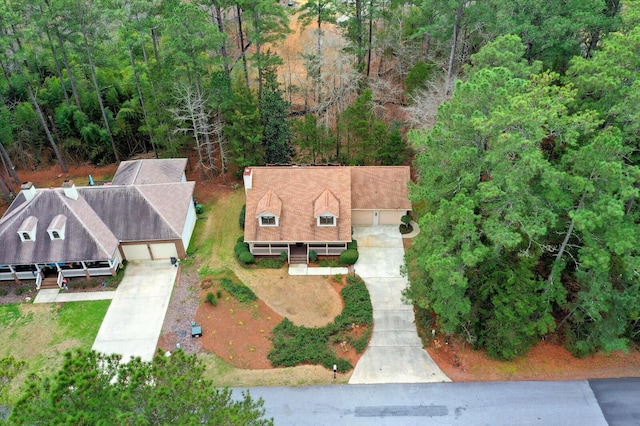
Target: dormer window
326,220
269,209
27,230
267,220
326,209
57,227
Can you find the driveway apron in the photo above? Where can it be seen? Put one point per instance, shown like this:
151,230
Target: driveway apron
134,319
395,353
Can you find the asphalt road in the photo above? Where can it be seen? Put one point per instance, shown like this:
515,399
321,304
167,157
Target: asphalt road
599,402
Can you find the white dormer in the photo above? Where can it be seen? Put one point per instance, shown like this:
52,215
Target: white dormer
57,227
28,190
27,230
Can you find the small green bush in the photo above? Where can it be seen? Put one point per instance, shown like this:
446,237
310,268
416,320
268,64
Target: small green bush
284,256
405,219
211,299
246,257
239,291
240,239
240,248
349,256
19,290
218,294
313,256
270,263
4,291
329,263
243,212
353,245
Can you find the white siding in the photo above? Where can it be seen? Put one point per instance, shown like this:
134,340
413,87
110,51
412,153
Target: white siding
189,224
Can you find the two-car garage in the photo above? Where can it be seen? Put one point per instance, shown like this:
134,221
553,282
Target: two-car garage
149,251
376,217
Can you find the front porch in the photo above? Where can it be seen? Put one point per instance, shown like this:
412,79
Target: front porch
52,275
297,253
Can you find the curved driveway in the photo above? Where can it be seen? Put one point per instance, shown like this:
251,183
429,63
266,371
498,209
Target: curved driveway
395,353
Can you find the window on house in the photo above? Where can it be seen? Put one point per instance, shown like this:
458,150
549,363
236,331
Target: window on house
268,220
326,221
26,236
55,235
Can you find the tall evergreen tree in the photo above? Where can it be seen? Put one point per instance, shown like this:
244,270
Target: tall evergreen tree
274,113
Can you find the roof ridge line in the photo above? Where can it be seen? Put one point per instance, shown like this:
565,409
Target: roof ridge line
64,200
137,188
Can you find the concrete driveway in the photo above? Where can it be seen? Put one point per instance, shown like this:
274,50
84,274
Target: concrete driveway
395,353
134,319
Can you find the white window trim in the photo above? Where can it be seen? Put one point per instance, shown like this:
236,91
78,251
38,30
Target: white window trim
326,215
265,215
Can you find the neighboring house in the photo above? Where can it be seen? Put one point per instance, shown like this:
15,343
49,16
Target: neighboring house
298,209
145,212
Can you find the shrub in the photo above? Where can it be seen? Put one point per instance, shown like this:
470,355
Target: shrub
331,263
246,257
211,299
240,248
349,256
218,294
270,263
240,239
239,291
405,219
4,291
19,290
313,256
243,212
283,256
295,345
353,245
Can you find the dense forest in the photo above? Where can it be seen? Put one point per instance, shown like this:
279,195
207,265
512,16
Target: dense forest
521,119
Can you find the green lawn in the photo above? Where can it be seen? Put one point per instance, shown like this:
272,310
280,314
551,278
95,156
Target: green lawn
39,334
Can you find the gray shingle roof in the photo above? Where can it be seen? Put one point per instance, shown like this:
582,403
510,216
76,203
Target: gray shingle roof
102,216
84,239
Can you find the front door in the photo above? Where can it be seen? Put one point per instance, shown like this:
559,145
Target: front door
376,218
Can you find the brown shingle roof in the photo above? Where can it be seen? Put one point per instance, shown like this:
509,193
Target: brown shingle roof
306,192
380,188
298,188
326,202
269,203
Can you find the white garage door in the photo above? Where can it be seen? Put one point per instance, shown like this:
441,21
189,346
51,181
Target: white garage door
361,217
164,250
391,217
136,252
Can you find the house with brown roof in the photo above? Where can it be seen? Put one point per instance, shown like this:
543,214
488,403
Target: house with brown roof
145,212
298,209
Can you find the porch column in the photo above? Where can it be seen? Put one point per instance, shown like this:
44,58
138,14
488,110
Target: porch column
13,272
86,270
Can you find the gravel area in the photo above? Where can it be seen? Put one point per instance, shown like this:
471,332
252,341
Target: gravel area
182,308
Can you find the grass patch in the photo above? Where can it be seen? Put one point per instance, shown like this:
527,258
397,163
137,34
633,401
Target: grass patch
81,320
40,334
295,345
